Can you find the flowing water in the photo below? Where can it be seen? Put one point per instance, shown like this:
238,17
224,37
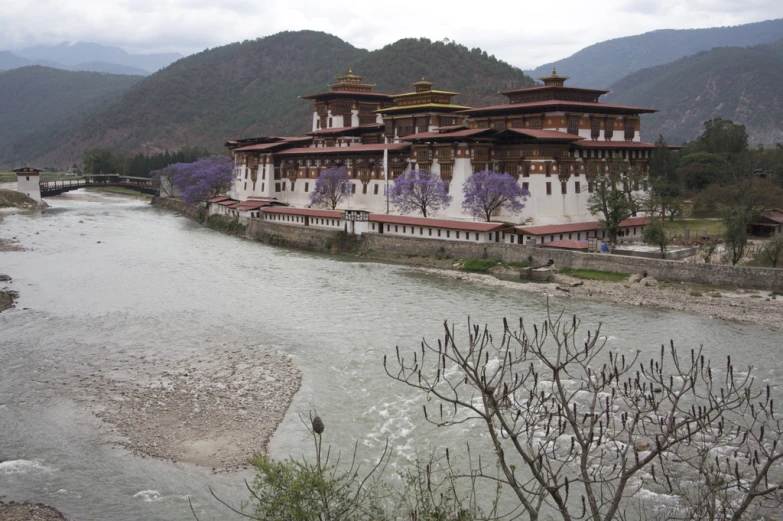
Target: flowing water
107,280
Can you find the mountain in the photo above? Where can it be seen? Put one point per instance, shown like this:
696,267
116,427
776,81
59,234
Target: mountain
251,88
602,64
741,84
80,53
35,98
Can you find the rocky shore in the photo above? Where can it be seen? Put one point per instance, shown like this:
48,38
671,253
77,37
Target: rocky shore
29,512
216,413
744,306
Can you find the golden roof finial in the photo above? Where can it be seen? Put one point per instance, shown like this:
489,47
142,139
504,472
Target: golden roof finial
554,71
350,71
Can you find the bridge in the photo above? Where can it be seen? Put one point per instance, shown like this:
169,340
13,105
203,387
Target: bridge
28,181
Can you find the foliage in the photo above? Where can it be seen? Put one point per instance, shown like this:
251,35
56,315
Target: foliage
665,185
225,224
588,274
99,161
723,137
582,432
479,265
773,250
332,187
700,169
612,197
205,177
419,191
654,234
735,233
34,100
487,191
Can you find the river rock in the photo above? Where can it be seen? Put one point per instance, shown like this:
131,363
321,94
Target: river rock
635,278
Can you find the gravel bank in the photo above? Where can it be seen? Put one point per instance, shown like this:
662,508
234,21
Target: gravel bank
749,307
29,512
215,413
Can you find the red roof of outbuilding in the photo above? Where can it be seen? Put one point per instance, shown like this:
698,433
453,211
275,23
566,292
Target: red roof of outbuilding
552,229
391,147
437,223
227,202
269,146
252,205
218,199
286,210
566,244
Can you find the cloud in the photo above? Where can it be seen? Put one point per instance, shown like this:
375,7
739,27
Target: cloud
525,34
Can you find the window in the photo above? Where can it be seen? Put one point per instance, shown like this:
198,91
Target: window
438,233
549,189
396,228
364,189
457,235
512,239
277,187
307,187
373,226
421,231
448,234
375,190
577,188
353,188
573,125
388,227
563,188
245,185
284,185
404,229
429,230
526,186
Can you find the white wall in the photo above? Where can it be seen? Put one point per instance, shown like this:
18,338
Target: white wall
29,185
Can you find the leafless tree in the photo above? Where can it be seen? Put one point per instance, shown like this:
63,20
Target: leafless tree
579,430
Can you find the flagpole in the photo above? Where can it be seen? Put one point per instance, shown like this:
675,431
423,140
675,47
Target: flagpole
386,169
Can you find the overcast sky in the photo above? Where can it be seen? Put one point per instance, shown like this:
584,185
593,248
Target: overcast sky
524,33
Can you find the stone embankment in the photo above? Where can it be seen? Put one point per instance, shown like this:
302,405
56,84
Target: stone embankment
686,287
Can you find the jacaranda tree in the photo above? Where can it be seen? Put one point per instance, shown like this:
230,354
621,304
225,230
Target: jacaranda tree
486,191
206,177
332,187
419,191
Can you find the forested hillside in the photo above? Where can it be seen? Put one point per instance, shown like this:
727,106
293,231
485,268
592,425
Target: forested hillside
740,84
602,64
35,98
251,88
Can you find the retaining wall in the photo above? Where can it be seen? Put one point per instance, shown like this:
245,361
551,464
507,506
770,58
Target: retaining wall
396,248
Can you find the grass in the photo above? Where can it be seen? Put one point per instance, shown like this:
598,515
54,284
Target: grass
714,227
608,276
479,265
12,198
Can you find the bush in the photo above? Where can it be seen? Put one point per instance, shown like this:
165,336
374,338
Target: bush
479,265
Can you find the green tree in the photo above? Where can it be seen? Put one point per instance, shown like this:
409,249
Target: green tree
723,137
701,169
655,234
773,250
609,199
665,186
99,161
735,232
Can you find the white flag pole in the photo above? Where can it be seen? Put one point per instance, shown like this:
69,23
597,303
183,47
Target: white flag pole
386,170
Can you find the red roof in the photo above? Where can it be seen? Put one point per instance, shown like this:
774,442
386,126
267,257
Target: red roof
218,199
553,88
391,147
614,144
774,216
448,135
544,134
329,214
269,146
555,105
552,229
437,223
252,205
233,206
566,244
227,202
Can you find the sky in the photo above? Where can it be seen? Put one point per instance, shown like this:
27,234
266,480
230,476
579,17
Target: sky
523,33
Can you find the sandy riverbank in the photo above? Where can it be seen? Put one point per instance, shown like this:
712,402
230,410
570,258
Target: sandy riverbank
216,413
749,307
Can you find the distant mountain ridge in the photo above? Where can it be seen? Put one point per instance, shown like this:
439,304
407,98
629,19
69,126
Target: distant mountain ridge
737,83
251,88
604,63
83,56
37,98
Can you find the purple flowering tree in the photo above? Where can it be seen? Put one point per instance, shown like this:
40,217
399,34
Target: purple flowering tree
332,187
486,191
419,191
206,177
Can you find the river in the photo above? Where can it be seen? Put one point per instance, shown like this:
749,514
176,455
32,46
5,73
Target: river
107,281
